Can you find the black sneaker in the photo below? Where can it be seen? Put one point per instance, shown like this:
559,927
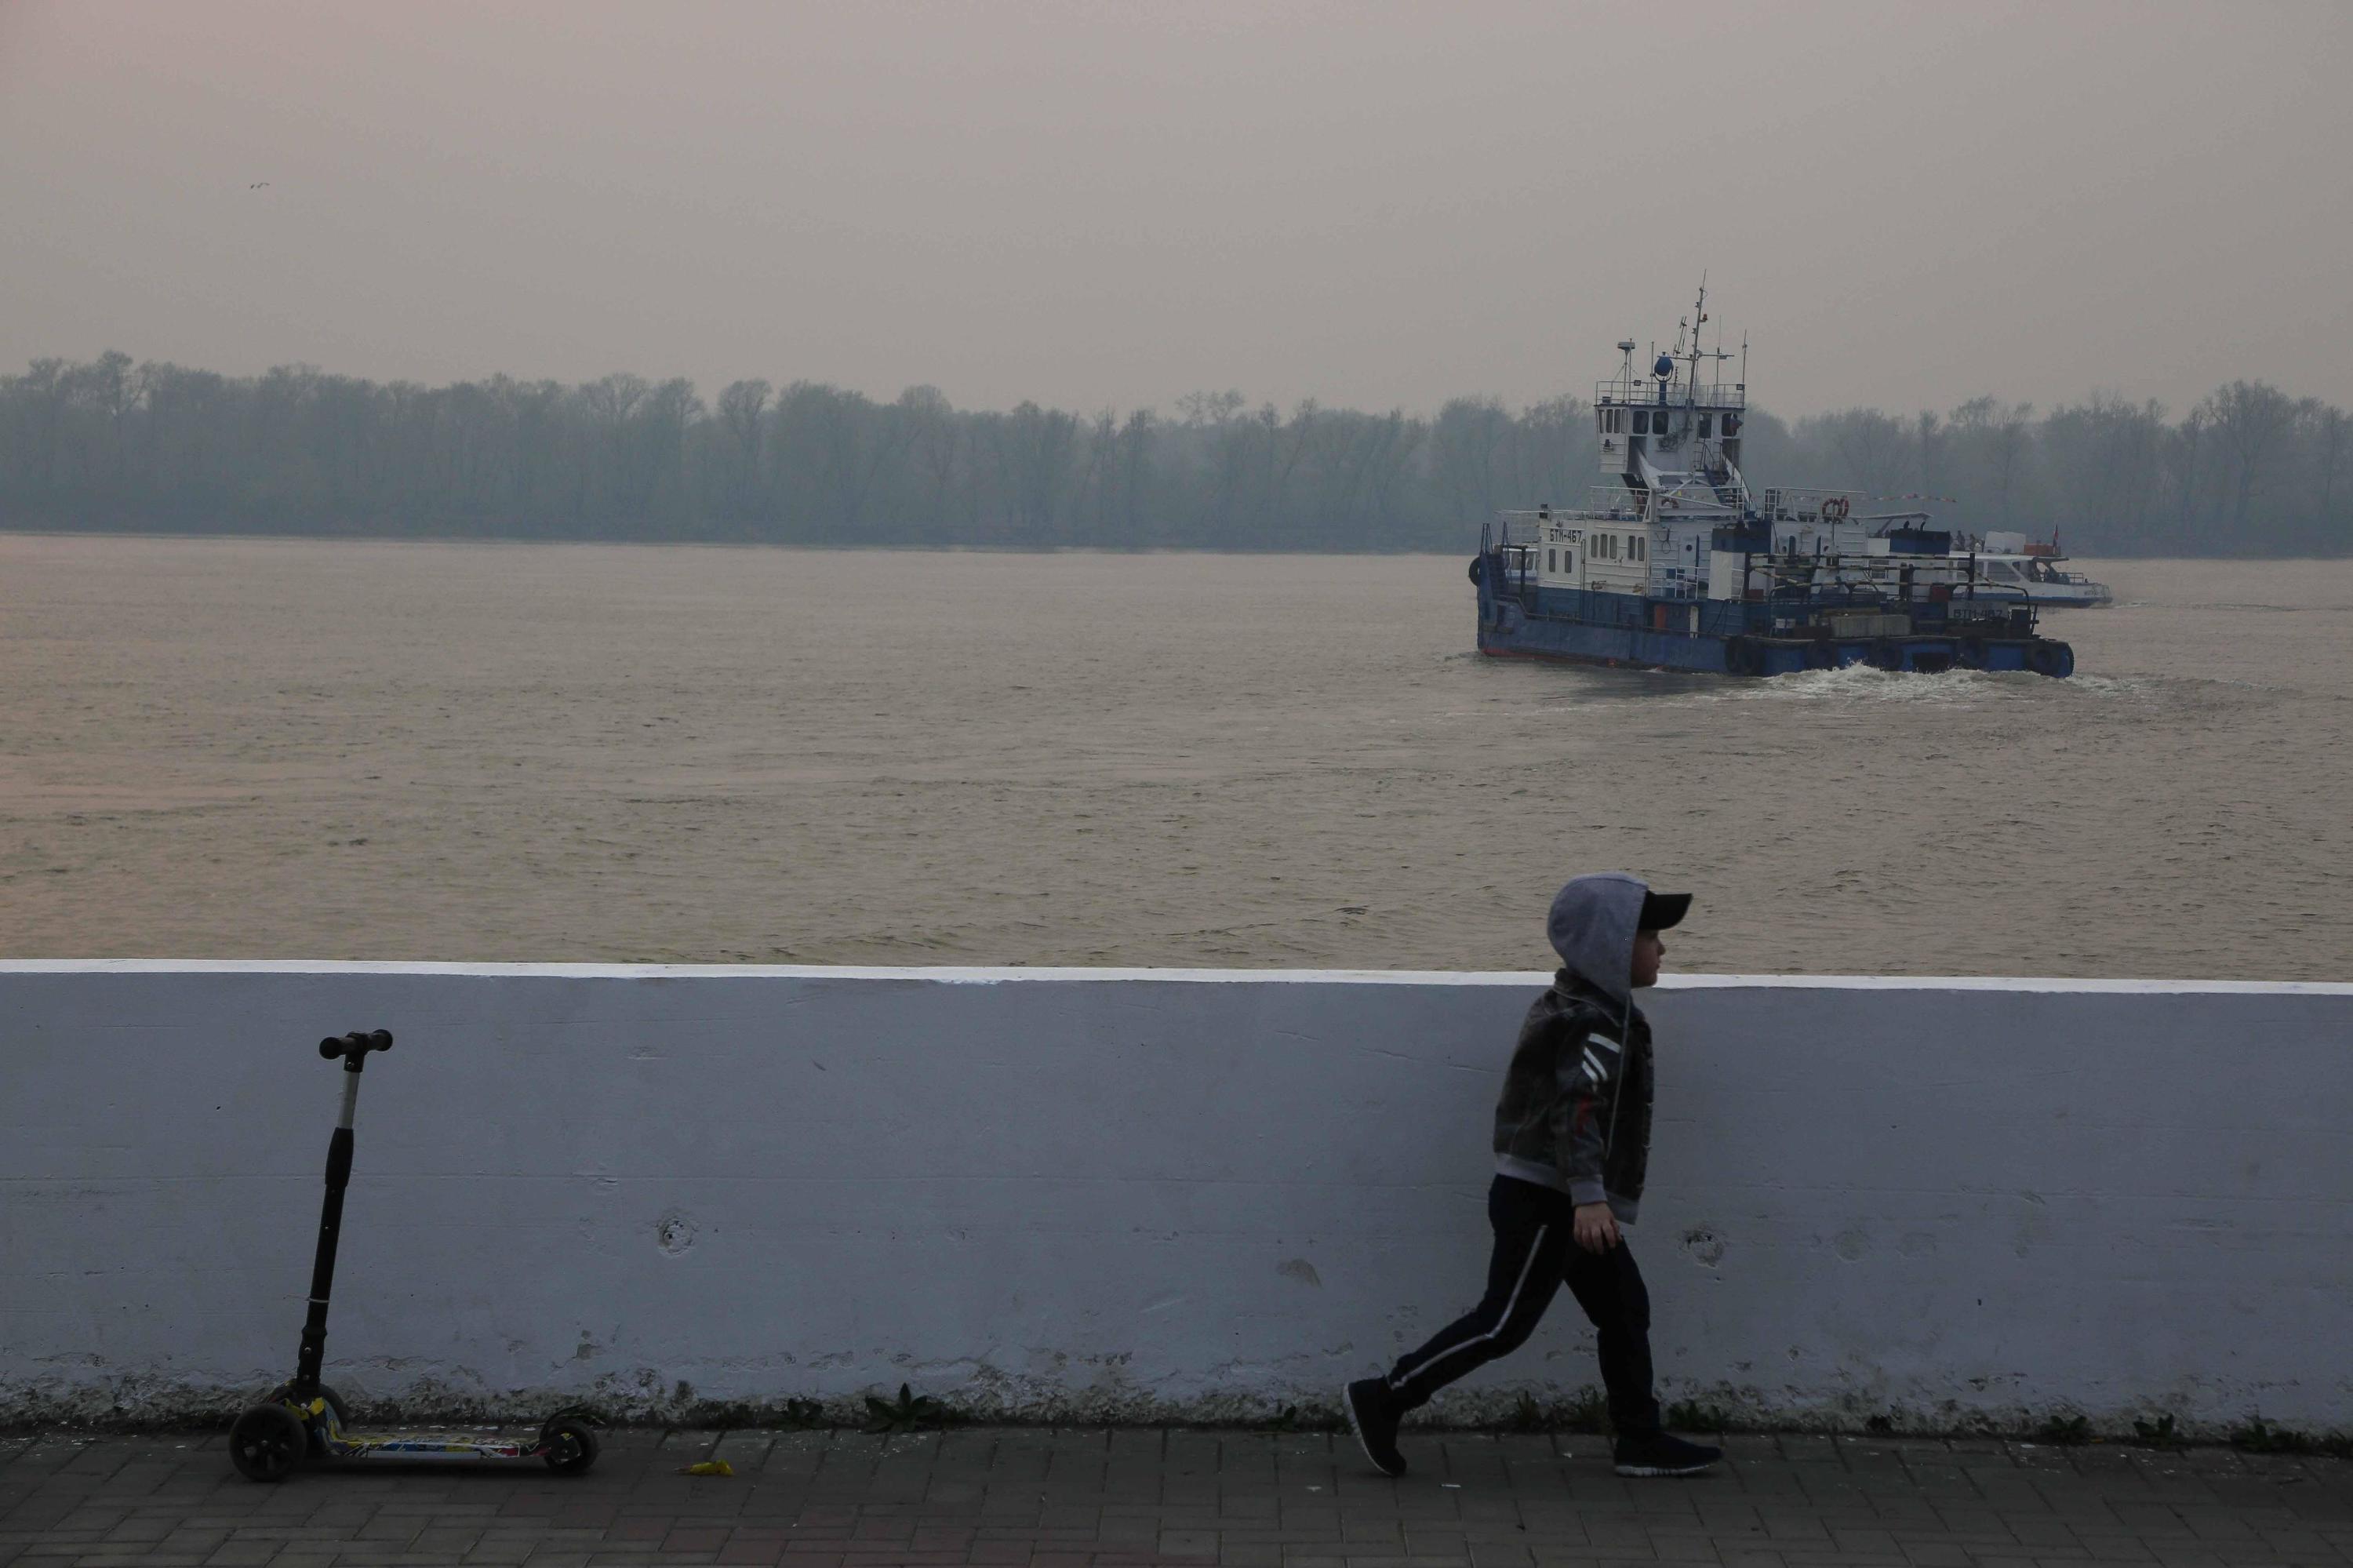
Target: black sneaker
1372,1417
1656,1453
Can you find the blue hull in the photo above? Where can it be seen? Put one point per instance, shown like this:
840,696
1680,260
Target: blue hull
1633,638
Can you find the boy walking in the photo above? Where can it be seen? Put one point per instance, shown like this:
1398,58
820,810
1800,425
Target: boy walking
1572,1138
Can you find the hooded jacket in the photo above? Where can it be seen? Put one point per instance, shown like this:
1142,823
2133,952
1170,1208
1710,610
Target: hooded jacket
1576,1111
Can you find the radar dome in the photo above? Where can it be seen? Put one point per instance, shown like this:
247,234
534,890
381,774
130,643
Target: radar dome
1665,368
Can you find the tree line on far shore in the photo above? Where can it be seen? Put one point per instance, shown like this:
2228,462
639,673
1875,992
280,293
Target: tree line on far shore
114,444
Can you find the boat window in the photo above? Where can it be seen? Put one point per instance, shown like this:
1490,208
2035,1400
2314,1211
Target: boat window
1731,426
1706,426
1550,565
1642,421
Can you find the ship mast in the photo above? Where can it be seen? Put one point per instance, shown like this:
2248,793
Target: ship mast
1696,354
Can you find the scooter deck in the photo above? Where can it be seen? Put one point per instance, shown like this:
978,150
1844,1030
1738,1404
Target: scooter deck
440,1446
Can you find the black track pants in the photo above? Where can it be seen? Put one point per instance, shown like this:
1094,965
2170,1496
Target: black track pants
1535,1254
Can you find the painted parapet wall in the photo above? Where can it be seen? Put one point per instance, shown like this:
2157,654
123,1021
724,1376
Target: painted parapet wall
1155,1194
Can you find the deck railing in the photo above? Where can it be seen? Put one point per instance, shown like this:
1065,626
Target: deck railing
1644,392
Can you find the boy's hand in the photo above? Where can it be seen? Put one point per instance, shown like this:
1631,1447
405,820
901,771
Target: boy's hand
1595,1228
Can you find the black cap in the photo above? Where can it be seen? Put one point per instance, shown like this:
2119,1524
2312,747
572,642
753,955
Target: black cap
1662,910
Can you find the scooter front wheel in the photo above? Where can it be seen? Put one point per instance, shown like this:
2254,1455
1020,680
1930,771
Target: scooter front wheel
284,1394
570,1446
267,1442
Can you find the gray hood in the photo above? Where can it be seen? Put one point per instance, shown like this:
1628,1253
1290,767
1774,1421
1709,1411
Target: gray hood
1592,926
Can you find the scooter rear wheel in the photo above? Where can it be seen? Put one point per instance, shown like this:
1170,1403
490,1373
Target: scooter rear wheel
570,1445
267,1442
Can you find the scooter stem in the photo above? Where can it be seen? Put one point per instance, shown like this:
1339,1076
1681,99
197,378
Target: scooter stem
352,1049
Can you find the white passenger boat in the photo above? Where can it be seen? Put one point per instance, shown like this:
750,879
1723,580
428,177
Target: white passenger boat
2036,568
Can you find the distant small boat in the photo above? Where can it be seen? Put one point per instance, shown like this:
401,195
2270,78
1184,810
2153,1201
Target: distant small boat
2039,569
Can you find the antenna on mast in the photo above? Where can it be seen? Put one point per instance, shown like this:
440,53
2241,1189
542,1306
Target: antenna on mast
1696,353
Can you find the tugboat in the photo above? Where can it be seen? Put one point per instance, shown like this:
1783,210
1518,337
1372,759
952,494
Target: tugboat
1676,563
2037,566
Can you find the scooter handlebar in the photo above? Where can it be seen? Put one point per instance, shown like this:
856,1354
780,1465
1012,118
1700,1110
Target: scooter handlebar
354,1045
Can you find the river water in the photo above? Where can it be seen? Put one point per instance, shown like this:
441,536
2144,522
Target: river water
230,748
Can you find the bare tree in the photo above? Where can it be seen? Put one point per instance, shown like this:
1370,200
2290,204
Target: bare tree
1135,442
1464,442
2249,421
1035,449
671,409
2332,445
742,412
1932,450
937,441
1995,436
1873,449
1555,452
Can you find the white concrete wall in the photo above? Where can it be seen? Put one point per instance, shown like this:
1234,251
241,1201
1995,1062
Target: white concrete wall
1156,1193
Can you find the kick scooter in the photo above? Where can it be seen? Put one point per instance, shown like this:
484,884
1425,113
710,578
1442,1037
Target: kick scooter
304,1419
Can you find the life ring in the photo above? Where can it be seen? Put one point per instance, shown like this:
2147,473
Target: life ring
1478,569
1835,509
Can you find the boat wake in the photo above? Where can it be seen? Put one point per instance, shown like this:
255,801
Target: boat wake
1861,683
2230,605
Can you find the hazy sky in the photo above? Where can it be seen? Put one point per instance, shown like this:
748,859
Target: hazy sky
1114,204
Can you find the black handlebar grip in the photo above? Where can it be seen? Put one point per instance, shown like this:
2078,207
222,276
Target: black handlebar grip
356,1043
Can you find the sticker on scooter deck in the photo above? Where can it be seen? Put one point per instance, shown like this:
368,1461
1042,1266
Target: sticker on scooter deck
426,1447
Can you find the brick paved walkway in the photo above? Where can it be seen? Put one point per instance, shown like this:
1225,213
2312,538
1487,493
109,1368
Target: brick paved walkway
1075,1499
